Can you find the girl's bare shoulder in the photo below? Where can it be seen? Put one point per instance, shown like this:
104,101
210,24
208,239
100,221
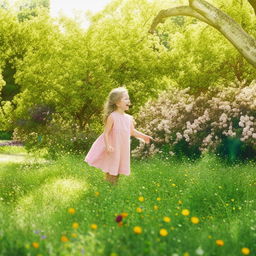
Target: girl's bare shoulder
129,116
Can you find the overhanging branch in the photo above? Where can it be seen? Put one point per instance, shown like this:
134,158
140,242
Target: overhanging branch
177,11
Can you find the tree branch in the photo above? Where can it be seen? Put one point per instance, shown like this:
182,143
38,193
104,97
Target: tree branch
213,16
244,43
253,4
176,11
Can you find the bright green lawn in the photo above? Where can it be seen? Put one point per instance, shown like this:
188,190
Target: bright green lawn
35,199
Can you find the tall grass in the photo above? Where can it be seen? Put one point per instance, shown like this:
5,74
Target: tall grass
35,203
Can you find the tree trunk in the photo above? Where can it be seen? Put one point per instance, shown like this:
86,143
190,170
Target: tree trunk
253,4
213,16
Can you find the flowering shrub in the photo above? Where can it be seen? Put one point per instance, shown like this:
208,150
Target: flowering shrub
191,124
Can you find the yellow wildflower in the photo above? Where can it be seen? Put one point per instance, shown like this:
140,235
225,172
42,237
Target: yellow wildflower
185,212
64,239
124,214
75,225
141,198
195,220
137,230
220,242
163,232
35,245
71,210
167,219
245,251
139,210
94,226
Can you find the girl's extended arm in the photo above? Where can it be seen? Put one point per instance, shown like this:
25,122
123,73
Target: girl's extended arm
108,127
138,134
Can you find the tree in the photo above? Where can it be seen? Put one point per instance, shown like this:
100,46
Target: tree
204,11
30,8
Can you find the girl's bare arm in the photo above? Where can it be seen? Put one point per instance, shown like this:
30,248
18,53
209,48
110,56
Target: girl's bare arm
135,133
108,127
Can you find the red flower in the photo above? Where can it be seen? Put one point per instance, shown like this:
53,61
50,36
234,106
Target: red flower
119,218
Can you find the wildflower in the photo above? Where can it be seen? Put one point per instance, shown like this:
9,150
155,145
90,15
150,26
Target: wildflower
173,184
124,214
71,210
163,232
35,245
141,198
94,226
199,251
75,225
186,254
195,220
120,224
185,212
74,235
167,219
245,251
119,218
155,207
179,202
158,199
139,210
220,242
64,239
97,193
137,230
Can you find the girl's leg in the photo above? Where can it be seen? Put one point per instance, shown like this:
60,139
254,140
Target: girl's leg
111,178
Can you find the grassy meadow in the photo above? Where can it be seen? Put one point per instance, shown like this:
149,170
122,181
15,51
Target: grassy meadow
165,207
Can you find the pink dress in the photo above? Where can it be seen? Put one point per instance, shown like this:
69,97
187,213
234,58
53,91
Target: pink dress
117,162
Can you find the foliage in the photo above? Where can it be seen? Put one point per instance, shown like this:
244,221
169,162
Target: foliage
4,135
199,56
57,63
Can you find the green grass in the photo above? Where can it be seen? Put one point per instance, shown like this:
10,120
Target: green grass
35,198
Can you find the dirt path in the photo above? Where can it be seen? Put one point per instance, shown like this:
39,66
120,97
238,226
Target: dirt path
18,158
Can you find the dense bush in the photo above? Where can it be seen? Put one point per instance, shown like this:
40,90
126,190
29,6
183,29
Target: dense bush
57,135
5,135
220,121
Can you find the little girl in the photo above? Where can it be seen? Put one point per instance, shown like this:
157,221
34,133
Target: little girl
111,151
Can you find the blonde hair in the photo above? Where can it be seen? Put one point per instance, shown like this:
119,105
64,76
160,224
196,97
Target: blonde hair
110,105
